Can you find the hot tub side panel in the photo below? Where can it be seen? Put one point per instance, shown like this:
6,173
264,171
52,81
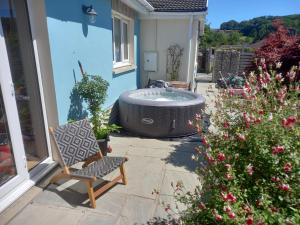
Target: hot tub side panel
158,121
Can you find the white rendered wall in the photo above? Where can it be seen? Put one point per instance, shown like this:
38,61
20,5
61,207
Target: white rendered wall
158,34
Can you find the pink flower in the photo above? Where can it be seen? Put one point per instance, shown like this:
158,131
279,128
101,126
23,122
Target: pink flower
227,209
231,215
198,117
292,119
249,220
226,136
228,166
230,198
278,149
218,217
289,122
281,94
267,77
226,124
274,209
109,149
284,187
278,77
205,142
201,206
247,209
275,179
250,169
261,112
221,156
258,120
228,176
210,159
247,120
190,123
247,87
167,208
291,75
287,167
260,223
241,137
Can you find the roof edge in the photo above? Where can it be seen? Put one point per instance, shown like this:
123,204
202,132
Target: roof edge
172,15
141,6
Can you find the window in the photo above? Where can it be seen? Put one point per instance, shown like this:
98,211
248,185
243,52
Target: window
120,41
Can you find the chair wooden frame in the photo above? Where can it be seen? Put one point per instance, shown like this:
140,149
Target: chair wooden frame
92,194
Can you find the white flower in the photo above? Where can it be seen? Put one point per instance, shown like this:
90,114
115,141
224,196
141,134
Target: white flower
270,117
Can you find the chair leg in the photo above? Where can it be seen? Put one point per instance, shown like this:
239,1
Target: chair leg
91,194
122,171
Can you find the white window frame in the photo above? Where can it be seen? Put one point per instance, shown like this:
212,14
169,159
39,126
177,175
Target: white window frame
123,20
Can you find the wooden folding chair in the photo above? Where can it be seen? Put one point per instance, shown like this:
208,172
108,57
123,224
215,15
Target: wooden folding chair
76,143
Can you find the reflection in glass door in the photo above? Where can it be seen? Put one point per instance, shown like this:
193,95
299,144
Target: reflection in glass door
7,161
20,54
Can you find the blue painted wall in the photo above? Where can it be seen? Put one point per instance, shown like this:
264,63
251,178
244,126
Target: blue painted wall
73,38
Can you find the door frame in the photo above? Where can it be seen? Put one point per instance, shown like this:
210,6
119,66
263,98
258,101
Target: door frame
13,122
40,42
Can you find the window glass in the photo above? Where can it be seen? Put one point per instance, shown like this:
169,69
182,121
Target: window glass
113,48
117,39
125,40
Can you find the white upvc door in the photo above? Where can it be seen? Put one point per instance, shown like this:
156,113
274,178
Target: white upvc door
13,148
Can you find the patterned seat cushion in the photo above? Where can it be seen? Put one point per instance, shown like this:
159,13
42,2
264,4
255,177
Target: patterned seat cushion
100,168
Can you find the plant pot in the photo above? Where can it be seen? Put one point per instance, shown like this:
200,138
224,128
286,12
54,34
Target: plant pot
103,145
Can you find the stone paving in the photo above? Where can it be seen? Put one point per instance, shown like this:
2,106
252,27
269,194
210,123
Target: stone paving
153,164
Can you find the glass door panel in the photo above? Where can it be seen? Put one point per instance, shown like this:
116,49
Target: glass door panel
7,161
18,40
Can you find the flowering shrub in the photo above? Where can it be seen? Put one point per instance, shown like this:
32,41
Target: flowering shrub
251,166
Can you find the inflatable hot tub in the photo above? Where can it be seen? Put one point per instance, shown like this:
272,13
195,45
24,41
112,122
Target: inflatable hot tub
159,112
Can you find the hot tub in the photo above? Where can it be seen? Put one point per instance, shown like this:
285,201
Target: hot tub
159,112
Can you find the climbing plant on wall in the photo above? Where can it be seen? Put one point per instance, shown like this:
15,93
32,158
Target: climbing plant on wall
175,53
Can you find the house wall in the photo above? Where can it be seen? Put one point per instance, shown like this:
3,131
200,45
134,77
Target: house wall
158,34
73,38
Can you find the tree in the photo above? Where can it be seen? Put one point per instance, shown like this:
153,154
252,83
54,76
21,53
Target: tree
280,46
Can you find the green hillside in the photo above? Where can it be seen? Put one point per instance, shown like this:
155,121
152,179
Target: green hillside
258,28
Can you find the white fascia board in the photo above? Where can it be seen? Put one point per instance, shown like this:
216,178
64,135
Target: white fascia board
141,6
146,4
172,15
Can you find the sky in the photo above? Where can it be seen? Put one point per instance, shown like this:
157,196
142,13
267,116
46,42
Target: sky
220,11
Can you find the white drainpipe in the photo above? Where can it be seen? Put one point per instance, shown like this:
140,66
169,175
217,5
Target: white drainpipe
190,48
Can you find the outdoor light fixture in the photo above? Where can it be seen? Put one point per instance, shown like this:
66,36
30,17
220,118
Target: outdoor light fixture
90,11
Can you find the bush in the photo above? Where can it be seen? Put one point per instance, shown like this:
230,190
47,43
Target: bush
280,46
93,90
251,166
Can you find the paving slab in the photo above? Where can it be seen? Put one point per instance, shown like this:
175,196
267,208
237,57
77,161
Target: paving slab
138,210
144,174
149,152
45,215
175,208
190,181
96,219
127,141
19,205
180,161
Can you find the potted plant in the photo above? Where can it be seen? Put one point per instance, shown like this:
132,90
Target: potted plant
93,90
104,130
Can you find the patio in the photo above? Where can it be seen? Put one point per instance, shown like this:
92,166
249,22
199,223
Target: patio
153,164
